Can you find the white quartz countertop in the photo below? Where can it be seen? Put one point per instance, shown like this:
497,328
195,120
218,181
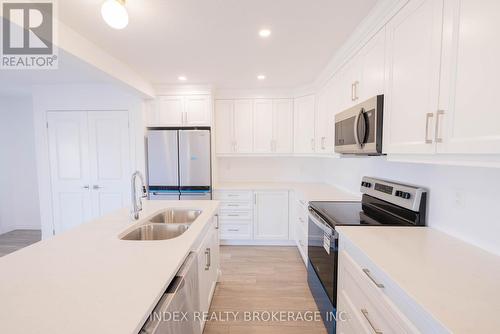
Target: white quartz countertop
308,191
457,283
87,280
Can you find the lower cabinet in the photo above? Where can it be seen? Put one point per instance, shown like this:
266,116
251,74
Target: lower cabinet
208,265
300,223
249,216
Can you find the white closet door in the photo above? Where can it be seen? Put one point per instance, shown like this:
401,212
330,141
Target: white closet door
283,125
263,129
109,160
70,173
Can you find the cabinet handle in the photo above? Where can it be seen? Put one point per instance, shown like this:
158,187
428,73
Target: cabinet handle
207,259
234,205
354,90
86,186
323,143
301,220
312,144
216,222
233,215
428,117
96,187
233,229
438,123
367,272
365,314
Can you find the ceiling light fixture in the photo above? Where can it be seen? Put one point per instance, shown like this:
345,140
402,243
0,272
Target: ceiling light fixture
182,78
264,33
114,13
261,77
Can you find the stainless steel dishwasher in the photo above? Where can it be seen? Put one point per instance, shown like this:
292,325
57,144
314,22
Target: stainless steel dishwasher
175,311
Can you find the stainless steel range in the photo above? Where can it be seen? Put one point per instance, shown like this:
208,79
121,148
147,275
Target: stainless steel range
384,203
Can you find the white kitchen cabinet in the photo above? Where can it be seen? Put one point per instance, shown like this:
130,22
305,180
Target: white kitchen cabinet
413,75
90,165
273,120
224,126
236,214
208,266
469,121
271,215
325,120
304,122
372,57
263,129
243,126
190,110
282,126
350,76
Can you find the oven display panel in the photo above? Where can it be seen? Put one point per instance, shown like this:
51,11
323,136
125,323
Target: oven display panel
383,188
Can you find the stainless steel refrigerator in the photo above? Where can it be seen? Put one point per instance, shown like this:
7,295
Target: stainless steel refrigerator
179,164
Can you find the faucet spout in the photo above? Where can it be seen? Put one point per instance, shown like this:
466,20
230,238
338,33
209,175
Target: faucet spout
137,201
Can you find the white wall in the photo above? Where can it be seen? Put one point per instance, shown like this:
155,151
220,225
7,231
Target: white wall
19,206
81,97
463,201
269,169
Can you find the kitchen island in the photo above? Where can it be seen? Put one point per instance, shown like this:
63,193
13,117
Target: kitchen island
87,280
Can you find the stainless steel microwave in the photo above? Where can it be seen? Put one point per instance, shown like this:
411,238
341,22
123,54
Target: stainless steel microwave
358,130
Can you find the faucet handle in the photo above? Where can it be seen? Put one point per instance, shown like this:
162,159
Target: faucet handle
144,192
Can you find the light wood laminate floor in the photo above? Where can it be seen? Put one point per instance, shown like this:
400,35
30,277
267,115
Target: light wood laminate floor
15,240
261,279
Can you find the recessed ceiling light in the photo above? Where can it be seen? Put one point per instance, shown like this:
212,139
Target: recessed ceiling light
261,77
182,78
264,33
114,13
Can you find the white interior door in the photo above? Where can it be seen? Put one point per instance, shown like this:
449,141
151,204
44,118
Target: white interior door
224,126
69,169
197,109
263,129
283,125
413,73
243,126
271,215
109,152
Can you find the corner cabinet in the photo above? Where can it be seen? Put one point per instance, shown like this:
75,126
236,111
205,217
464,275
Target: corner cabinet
304,123
188,110
271,215
208,265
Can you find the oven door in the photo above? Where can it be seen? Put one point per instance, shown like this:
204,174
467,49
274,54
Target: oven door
322,252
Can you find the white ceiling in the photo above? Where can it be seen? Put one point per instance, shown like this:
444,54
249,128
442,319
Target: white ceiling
216,41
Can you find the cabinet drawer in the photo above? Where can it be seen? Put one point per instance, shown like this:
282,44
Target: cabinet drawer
374,309
235,206
236,215
232,231
233,195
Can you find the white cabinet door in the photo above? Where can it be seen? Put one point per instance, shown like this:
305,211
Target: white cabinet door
470,122
282,126
69,169
197,110
413,59
304,121
243,126
325,122
109,152
263,126
271,215
170,111
372,67
224,126
351,80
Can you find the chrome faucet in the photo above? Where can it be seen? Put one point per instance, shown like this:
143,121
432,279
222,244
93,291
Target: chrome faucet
137,202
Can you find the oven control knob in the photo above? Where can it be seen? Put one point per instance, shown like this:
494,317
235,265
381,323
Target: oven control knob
366,184
406,195
399,193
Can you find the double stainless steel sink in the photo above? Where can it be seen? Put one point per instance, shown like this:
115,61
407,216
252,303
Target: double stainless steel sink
168,224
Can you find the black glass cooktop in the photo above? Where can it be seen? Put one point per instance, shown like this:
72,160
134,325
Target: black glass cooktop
370,211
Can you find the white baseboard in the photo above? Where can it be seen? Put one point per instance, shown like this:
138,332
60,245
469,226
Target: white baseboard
257,242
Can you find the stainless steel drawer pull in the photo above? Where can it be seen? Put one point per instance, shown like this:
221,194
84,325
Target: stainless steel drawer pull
234,205
365,314
233,229
367,272
208,259
428,118
233,215
438,125
301,220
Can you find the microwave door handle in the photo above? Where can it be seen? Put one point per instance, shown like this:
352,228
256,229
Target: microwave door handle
360,138
356,137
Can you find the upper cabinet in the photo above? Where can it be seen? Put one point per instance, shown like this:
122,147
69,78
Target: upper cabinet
413,74
193,110
468,122
325,119
254,126
304,123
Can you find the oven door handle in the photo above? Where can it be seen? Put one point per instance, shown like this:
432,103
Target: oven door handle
318,221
